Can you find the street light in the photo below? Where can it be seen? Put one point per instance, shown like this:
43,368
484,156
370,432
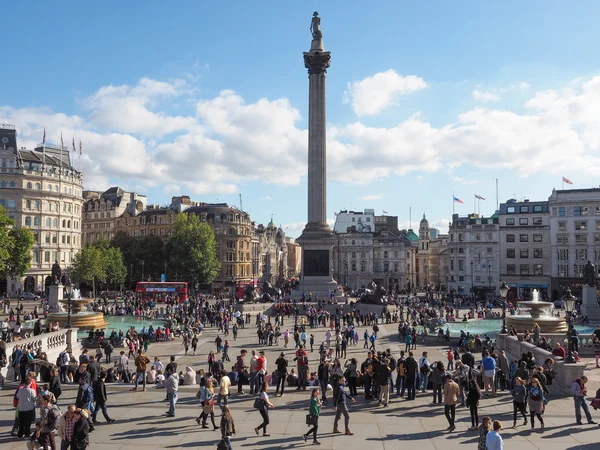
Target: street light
569,302
409,276
69,289
472,283
503,294
490,275
142,270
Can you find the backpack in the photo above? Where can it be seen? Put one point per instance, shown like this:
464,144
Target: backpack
402,368
53,417
425,369
392,363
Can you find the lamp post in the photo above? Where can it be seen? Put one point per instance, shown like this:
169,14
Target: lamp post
165,271
472,282
69,289
346,273
142,270
490,276
503,294
569,302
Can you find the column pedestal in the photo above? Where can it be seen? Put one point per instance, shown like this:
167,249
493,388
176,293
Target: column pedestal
589,303
54,297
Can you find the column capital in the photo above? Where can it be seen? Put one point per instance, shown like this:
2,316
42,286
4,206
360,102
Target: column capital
317,63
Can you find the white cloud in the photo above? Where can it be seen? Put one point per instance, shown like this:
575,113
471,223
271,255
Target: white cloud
462,180
370,197
495,94
486,96
267,198
373,94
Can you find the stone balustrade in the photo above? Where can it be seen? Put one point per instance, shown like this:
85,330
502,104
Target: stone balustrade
566,373
50,343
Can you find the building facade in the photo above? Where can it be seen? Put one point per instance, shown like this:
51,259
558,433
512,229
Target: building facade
232,227
101,209
574,236
272,253
429,257
473,263
362,221
41,190
525,260
294,255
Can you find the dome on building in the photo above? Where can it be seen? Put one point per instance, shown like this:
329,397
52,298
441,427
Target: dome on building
271,223
424,223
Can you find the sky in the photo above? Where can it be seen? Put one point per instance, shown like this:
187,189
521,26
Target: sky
425,100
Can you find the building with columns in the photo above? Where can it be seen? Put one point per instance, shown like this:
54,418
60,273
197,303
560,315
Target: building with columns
40,189
272,253
430,261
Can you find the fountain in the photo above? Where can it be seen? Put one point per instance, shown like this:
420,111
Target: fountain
538,312
79,318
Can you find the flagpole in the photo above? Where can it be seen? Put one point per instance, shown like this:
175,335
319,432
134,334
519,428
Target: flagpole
453,202
563,183
474,202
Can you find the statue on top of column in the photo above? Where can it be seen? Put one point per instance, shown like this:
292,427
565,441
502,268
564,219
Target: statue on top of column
589,274
315,26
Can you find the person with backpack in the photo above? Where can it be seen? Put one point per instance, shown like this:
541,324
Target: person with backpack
50,416
108,351
101,399
263,404
141,362
85,396
424,371
401,375
63,361
391,362
472,401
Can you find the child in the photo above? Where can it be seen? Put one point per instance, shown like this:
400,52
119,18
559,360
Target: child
484,428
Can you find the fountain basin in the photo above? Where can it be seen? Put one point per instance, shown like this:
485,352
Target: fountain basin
538,313
84,320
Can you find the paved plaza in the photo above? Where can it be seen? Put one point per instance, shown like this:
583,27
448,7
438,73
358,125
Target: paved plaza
140,422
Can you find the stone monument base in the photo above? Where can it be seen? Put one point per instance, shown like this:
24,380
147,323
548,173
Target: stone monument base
54,297
589,303
320,286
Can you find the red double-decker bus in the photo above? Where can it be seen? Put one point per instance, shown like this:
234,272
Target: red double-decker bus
160,290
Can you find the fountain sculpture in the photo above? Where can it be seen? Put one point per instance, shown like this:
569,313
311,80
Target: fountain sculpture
80,318
538,312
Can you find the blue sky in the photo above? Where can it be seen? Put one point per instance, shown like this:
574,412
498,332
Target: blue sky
209,99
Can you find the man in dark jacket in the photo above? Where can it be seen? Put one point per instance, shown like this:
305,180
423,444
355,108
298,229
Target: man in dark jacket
323,375
282,369
100,399
367,372
94,369
412,367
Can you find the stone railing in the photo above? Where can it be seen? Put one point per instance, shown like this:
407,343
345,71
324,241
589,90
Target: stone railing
586,342
565,373
50,343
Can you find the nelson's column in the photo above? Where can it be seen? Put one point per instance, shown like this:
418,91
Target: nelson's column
316,239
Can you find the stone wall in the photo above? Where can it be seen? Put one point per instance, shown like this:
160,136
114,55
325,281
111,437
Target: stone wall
566,373
50,343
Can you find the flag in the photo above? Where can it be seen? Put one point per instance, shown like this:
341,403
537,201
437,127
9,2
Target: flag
479,197
44,138
73,144
566,180
384,211
79,148
457,200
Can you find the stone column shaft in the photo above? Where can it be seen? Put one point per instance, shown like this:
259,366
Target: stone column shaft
317,163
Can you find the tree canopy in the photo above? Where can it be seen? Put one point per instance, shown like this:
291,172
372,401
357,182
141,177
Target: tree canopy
15,248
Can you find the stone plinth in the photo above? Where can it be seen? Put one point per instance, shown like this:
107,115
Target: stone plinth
589,303
55,296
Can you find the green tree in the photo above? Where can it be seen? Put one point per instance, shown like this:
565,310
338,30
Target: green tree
89,266
115,269
192,251
15,248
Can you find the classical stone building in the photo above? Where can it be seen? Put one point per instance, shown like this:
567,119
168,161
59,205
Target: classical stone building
474,255
430,262
41,190
272,253
574,236
233,232
294,255
101,209
525,262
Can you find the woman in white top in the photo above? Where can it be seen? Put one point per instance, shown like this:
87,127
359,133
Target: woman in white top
266,404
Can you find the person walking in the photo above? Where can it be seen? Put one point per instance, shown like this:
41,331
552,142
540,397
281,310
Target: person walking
224,386
81,430
424,371
536,402
172,385
493,440
265,404
340,407
50,416
66,425
101,399
123,367
579,391
207,400
141,362
227,426
488,364
473,397
313,412
240,366
519,394
450,395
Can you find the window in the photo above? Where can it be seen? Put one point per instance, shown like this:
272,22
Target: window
537,253
597,210
523,221
353,255
510,209
524,253
562,226
354,219
537,220
29,185
368,219
580,211
34,257
385,255
461,278
597,254
55,223
461,237
511,269
38,186
461,264
28,205
353,264
363,267
461,250
48,222
353,242
510,221
12,204
537,208
451,264
581,254
490,249
537,238
581,225
581,238
54,238
49,187
562,211
489,236
523,238
63,239
524,209
524,269
510,238
27,221
563,270
36,221
597,238
562,239
510,252
538,269
563,254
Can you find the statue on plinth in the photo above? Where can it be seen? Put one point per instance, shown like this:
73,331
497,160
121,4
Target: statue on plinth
589,274
315,26
56,273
